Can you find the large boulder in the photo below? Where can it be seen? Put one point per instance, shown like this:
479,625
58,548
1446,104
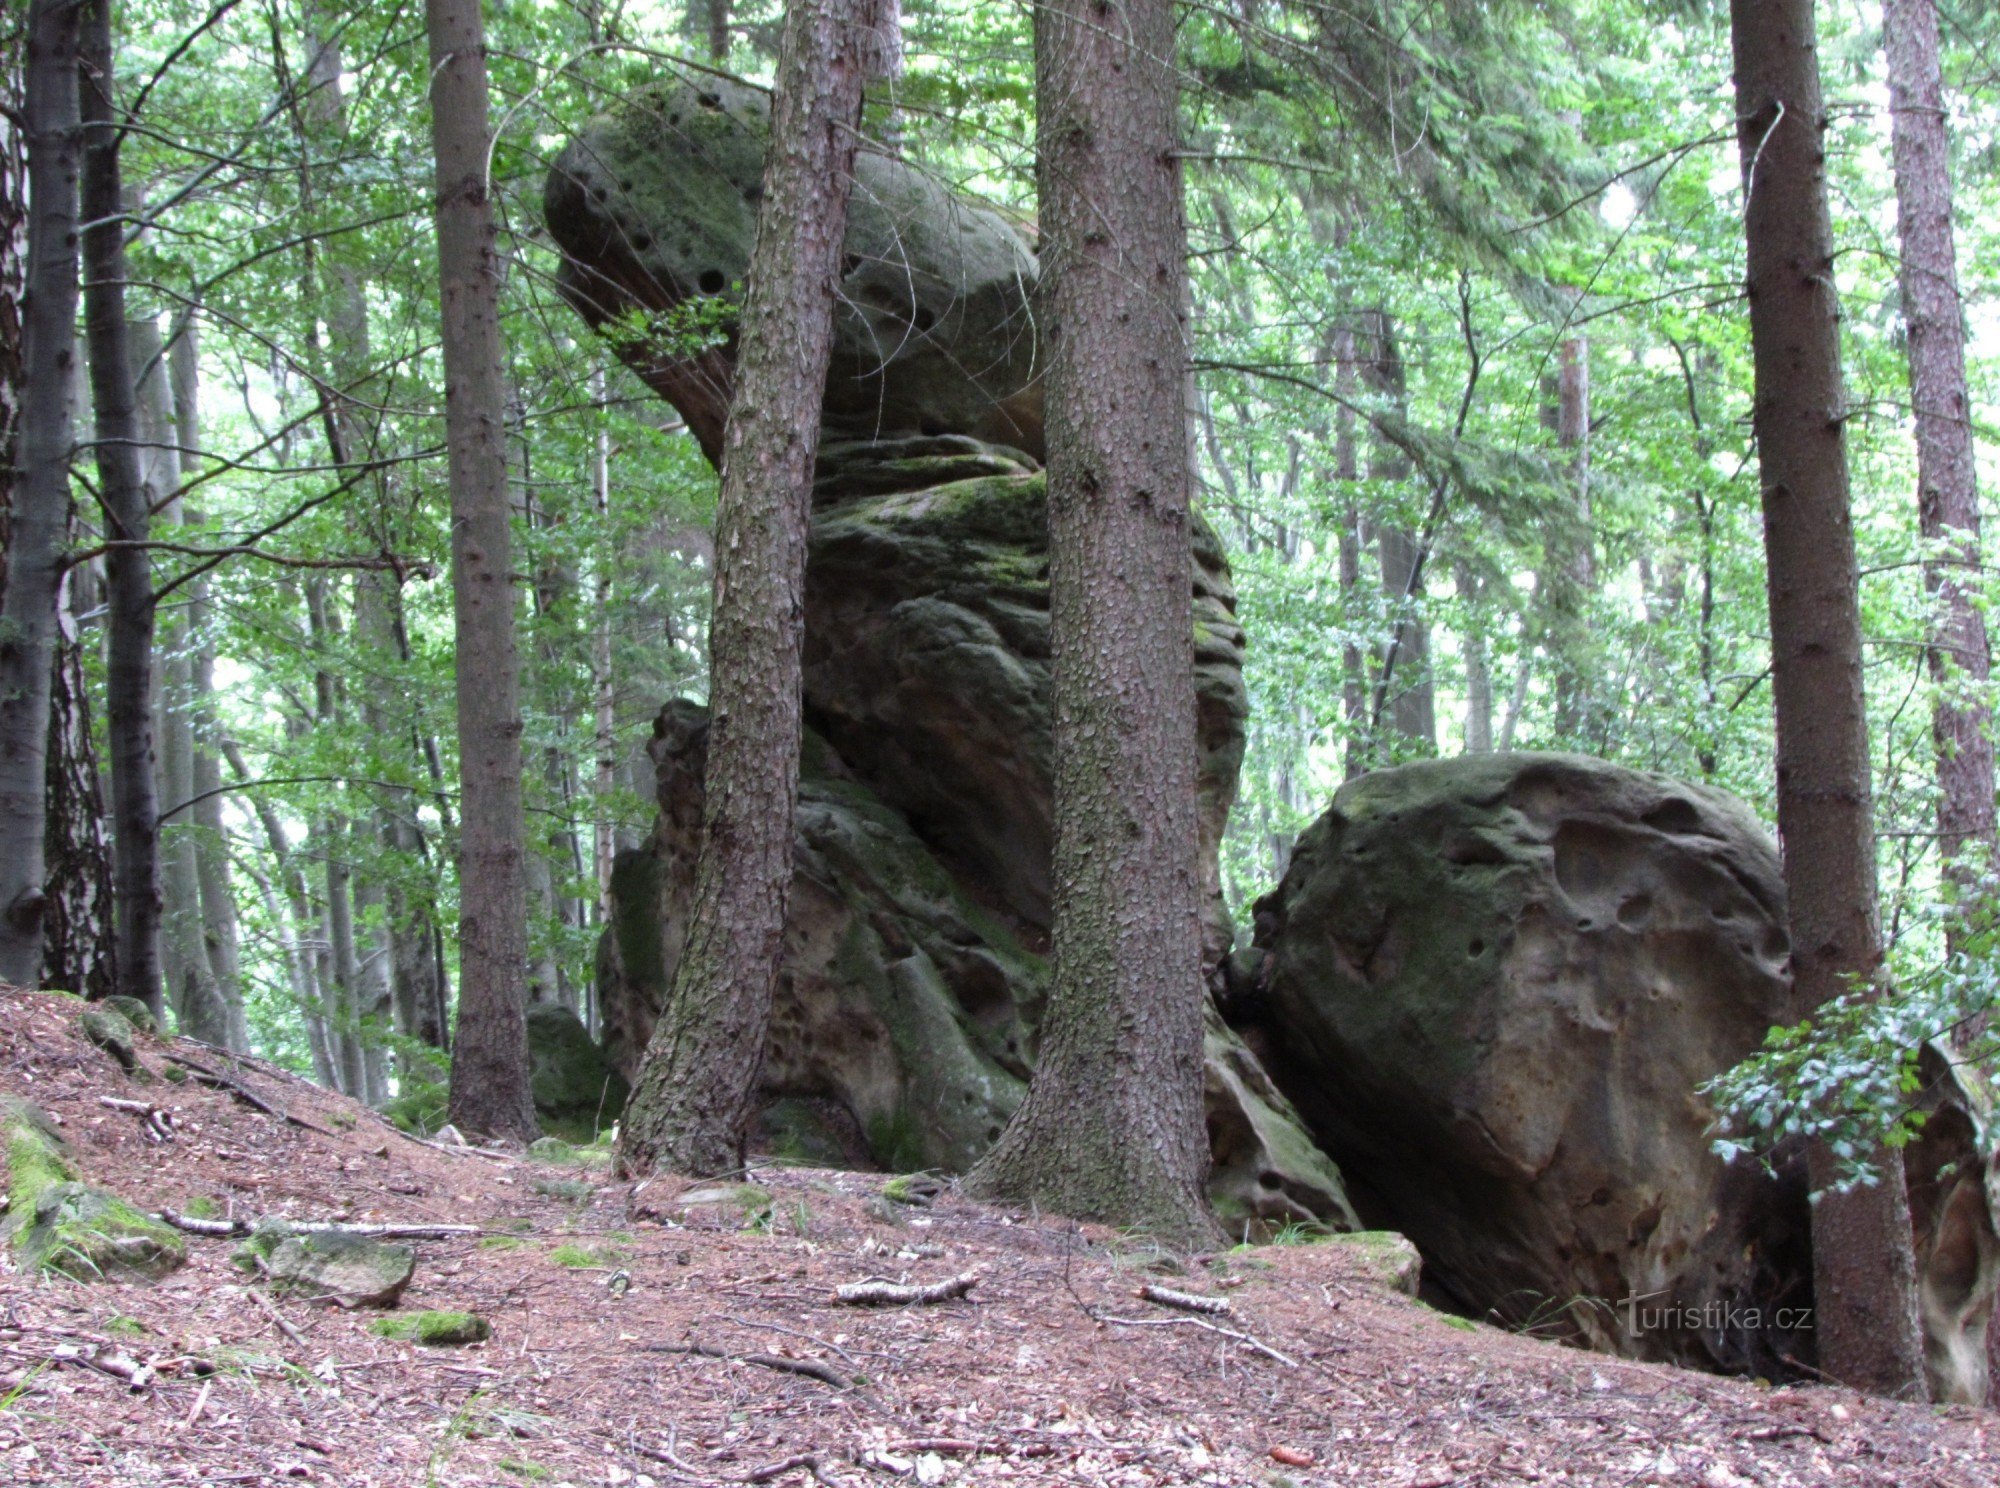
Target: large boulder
654,207
927,668
903,1034
577,1091
1492,986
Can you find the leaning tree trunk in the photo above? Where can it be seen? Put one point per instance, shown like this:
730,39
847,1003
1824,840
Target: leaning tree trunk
691,1101
1863,1272
1112,1125
489,1071
1961,660
40,503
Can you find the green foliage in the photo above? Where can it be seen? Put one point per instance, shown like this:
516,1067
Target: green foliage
1849,1076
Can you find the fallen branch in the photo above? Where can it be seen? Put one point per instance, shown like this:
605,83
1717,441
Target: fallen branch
159,1123
792,1463
212,1078
222,1229
1183,1301
1189,1322
810,1368
114,1362
892,1294
276,1316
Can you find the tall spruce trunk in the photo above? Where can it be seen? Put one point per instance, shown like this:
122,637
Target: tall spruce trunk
1863,1272
691,1101
1961,659
489,1071
40,495
1112,1125
128,567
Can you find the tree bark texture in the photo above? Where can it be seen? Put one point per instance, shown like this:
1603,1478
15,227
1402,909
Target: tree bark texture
122,492
1961,658
1570,568
1411,694
40,494
691,1100
1112,1125
489,1073
211,841
1863,1272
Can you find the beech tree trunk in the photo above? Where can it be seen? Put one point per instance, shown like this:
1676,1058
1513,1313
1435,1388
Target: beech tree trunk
1863,1272
489,1072
692,1098
1961,659
1112,1125
40,494
128,519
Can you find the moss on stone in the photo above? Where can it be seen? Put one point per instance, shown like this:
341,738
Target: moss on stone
109,1029
434,1329
89,1234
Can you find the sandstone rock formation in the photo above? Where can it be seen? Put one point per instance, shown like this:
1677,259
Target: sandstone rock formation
912,980
655,206
1491,985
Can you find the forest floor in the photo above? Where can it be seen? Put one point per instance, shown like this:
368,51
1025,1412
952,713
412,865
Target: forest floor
638,1340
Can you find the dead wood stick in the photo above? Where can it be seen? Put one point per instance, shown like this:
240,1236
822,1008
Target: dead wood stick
892,1294
255,1102
200,1403
772,1470
951,1446
276,1316
222,1229
457,1147
112,1361
1191,1322
810,1368
1183,1301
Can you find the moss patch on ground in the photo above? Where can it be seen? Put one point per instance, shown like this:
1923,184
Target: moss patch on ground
434,1329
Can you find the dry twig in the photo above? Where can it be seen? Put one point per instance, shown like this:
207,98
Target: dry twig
810,1368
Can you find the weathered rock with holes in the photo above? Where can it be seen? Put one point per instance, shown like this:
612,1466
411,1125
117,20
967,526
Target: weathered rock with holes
654,206
1492,986
1952,1170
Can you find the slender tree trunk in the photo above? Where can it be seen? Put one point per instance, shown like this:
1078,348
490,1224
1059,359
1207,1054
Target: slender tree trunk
40,495
1961,659
1412,696
1347,471
1570,568
128,524
489,1072
13,266
692,1099
1478,664
1863,1272
211,836
1112,1124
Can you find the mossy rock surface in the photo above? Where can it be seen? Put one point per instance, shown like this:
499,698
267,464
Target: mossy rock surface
109,1029
577,1091
1388,1257
1491,986
89,1234
434,1329
655,207
333,1265
135,1012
